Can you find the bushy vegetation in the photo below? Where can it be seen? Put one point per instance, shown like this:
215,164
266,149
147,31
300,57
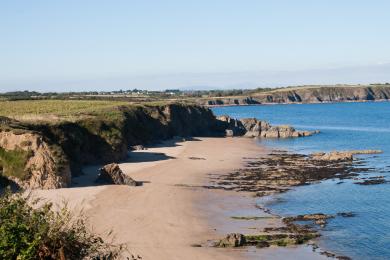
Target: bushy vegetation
12,163
32,230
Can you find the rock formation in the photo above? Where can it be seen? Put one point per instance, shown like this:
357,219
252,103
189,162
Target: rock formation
232,240
112,174
333,156
341,155
232,126
251,127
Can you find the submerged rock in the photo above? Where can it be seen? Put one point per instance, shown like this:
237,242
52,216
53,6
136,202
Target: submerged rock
112,174
365,151
372,181
291,236
318,218
341,155
346,214
332,156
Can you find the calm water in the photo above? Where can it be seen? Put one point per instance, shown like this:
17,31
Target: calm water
343,126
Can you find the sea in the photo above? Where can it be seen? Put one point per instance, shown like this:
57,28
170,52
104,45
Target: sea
343,126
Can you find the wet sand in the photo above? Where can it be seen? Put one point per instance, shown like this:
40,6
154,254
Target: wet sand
170,213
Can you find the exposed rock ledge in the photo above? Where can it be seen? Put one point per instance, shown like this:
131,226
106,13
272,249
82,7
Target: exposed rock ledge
341,156
251,127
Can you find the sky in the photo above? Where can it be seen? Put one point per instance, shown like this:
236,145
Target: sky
110,45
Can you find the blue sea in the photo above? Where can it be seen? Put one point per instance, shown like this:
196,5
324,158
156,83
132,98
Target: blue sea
343,126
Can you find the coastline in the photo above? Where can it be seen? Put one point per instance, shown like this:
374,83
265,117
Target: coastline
170,216
298,103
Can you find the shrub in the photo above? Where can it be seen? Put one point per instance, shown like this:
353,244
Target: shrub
12,163
32,230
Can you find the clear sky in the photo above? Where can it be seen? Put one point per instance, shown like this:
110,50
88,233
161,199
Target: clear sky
85,45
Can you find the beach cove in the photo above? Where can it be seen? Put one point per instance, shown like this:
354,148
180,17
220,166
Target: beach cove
170,215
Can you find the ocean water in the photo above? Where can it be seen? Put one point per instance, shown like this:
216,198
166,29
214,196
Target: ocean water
343,126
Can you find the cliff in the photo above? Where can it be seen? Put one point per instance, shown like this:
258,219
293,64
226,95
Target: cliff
316,94
46,154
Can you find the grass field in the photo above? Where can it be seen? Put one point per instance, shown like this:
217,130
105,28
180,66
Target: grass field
54,109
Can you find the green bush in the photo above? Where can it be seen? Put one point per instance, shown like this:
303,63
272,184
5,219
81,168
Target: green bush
12,163
29,230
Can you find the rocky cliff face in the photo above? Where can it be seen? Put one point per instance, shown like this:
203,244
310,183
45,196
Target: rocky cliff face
308,95
37,165
52,152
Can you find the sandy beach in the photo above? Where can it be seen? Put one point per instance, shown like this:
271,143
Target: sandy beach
171,214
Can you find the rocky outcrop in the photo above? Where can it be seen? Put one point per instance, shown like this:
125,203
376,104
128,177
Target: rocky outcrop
43,165
112,174
251,127
231,101
280,171
233,127
285,132
232,240
333,156
254,127
292,235
318,218
341,155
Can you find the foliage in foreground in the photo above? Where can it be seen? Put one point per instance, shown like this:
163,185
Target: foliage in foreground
29,230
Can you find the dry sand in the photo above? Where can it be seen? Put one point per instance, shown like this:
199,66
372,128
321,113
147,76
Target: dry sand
169,213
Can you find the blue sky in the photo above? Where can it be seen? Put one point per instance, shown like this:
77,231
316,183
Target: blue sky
107,45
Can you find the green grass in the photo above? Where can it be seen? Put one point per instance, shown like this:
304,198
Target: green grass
12,163
70,110
50,109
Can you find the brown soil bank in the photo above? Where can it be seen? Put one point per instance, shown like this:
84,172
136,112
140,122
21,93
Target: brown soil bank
309,94
47,154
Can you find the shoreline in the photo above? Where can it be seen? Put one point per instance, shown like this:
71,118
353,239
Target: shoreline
298,103
172,214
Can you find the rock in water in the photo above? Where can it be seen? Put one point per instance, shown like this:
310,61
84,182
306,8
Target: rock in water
232,240
112,174
333,156
251,127
342,155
